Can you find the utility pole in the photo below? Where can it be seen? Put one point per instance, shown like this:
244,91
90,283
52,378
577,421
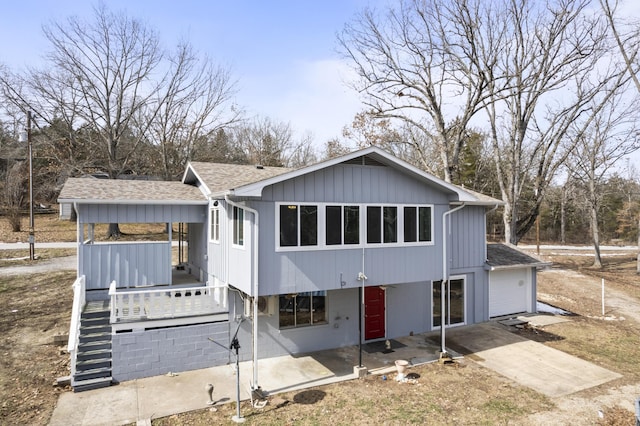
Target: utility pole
32,237
26,137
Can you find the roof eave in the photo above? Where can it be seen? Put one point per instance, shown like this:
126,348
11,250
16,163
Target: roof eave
202,202
537,265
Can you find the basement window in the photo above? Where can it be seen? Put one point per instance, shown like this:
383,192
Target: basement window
302,309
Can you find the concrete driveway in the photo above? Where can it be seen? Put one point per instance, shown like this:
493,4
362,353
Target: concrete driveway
549,371
531,364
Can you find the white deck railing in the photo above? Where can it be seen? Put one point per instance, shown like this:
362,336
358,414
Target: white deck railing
74,328
162,302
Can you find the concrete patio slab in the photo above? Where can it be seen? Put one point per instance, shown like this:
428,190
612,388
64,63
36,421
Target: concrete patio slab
549,371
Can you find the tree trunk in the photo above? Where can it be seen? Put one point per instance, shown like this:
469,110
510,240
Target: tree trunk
638,268
597,260
113,231
563,206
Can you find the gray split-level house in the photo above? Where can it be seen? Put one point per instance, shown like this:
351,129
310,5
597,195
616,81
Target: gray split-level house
280,257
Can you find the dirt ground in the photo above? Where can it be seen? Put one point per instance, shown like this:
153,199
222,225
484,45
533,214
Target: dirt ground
35,308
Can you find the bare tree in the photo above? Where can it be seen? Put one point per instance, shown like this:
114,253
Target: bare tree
419,64
109,89
334,148
628,44
549,60
193,105
14,194
611,135
271,143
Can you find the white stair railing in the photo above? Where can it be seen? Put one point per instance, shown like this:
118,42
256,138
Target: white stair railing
74,328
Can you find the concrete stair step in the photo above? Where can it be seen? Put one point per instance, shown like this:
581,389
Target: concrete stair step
94,321
94,373
96,337
93,329
94,345
90,384
92,364
85,355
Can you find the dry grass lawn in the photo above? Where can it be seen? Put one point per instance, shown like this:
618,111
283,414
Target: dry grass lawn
36,307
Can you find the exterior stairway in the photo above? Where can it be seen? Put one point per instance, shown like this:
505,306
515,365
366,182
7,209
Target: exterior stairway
93,362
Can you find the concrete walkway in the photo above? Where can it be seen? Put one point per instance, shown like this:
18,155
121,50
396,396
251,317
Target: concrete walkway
153,397
531,364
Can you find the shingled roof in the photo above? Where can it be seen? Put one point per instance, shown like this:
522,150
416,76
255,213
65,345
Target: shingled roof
219,177
94,191
502,256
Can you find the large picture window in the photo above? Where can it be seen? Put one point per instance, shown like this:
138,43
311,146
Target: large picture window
238,226
303,309
417,224
327,226
298,225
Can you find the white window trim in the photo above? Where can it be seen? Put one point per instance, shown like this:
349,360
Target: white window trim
401,232
363,232
233,229
306,326
464,289
214,213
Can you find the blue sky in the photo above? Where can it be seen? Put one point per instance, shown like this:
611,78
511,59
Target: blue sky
283,53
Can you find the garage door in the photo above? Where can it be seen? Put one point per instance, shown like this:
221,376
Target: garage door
509,292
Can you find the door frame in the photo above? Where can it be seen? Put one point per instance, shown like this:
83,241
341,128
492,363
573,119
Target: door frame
384,316
448,304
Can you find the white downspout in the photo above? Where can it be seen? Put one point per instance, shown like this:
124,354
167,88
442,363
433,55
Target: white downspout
254,309
443,349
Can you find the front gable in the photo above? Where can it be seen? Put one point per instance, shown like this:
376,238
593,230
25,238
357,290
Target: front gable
368,159
356,183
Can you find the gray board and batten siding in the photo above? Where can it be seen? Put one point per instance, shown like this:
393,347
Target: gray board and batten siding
141,213
321,269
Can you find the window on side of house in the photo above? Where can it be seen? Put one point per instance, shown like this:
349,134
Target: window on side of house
342,225
238,226
298,225
417,224
333,228
215,225
351,222
382,224
302,309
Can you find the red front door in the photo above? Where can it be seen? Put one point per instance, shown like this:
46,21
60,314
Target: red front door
374,326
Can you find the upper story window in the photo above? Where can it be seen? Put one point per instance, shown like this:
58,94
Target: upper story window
298,225
238,226
342,225
215,225
417,224
327,226
382,224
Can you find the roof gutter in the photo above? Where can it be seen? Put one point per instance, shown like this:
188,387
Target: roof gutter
254,310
